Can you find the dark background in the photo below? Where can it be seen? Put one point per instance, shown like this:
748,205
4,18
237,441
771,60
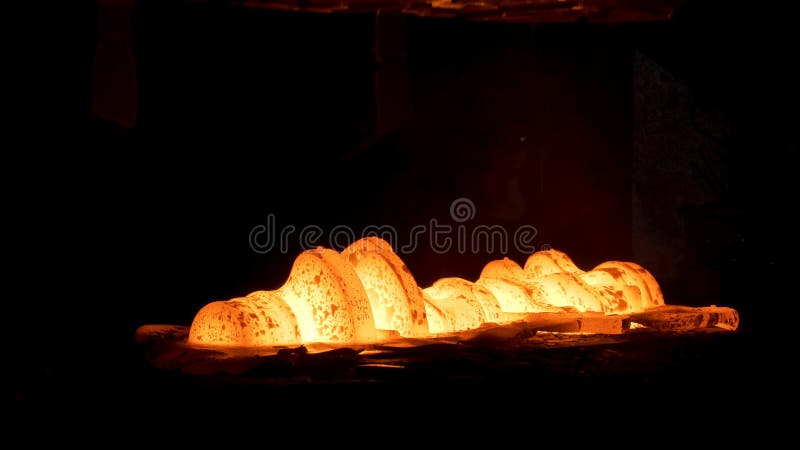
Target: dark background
150,152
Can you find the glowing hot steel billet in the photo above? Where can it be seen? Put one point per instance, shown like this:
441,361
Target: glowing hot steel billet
349,297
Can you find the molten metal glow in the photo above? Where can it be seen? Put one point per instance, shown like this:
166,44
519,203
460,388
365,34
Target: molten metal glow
617,296
262,318
323,300
396,300
564,289
514,295
513,289
328,299
454,306
546,262
347,297
635,275
460,288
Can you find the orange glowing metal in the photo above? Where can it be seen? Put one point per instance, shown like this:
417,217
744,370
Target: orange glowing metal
347,297
452,306
396,300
